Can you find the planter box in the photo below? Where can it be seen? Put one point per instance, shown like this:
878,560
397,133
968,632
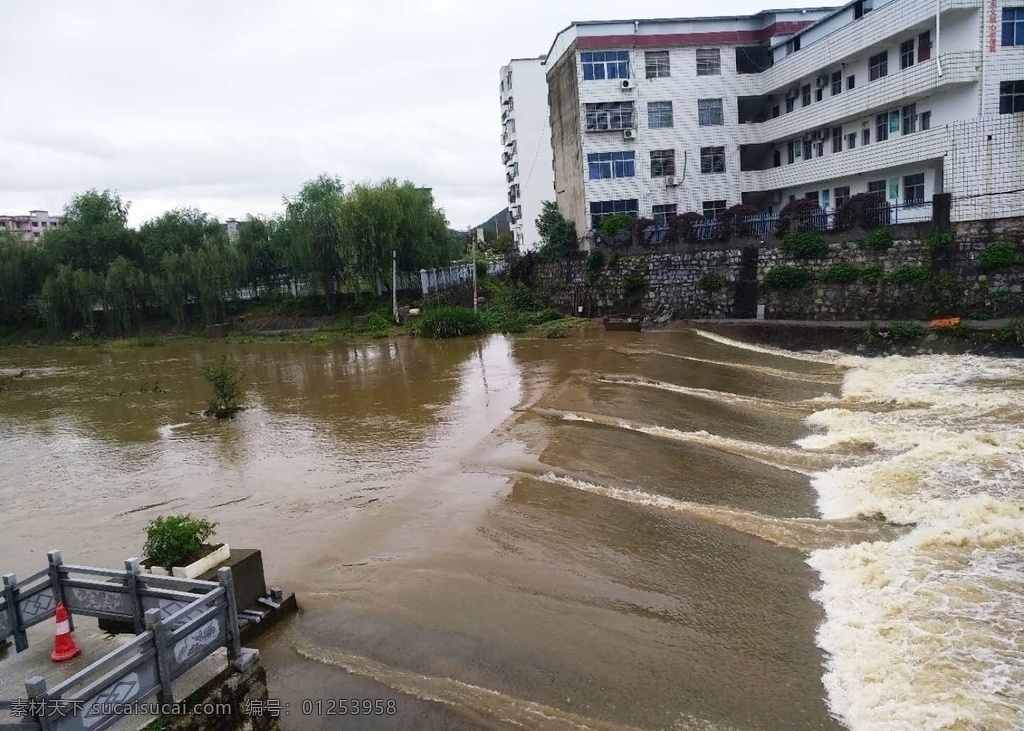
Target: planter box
195,569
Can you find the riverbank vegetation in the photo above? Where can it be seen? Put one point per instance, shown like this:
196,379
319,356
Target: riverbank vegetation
332,245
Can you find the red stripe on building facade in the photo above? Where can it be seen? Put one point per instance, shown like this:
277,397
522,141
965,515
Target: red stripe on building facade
707,38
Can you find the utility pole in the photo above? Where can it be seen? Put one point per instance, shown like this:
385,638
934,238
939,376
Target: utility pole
474,272
394,285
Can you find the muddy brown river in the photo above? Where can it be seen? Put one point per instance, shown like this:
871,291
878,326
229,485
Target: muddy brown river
659,530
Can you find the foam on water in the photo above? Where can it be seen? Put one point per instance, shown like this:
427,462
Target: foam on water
924,632
705,393
830,357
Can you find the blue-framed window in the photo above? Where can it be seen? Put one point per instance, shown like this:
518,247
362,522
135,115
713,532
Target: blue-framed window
605,65
1013,26
609,116
600,209
602,165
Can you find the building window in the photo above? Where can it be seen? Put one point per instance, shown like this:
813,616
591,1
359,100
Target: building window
842,195
837,139
609,116
819,94
909,119
821,147
878,66
851,140
712,159
913,189
851,82
1013,26
837,82
600,209
605,65
882,127
907,54
659,114
865,136
602,165
656,64
790,152
712,209
926,120
775,112
805,95
924,46
661,213
776,158
709,112
709,61
807,150
790,105
663,163
812,195
1011,97
877,187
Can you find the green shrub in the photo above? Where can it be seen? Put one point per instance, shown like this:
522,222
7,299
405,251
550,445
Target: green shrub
908,274
871,329
945,296
939,238
172,540
842,273
712,282
901,331
225,376
450,322
999,255
871,273
595,261
614,224
804,245
1012,333
999,296
878,240
788,279
634,287
148,341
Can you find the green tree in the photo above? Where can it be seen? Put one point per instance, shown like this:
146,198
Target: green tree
126,292
558,234
262,249
70,298
313,219
21,275
93,233
176,231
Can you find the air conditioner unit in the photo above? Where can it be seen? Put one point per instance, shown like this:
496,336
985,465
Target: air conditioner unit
793,93
626,84
822,82
629,134
670,181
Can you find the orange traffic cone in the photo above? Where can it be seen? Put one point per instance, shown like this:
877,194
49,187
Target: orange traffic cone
64,647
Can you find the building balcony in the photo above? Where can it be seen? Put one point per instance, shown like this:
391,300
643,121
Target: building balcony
896,89
902,150
876,27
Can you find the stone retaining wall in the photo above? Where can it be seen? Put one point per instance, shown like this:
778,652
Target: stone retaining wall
684,280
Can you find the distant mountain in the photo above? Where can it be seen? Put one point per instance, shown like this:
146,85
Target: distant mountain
501,219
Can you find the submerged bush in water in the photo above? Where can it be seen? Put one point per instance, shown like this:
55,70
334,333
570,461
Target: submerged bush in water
225,375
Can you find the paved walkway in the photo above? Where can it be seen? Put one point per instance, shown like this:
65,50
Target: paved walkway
840,324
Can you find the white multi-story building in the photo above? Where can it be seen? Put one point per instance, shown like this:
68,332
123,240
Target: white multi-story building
526,146
906,98
29,228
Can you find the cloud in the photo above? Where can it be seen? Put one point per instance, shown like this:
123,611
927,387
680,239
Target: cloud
230,105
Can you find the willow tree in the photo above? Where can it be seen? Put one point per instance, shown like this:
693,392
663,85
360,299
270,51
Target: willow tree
261,246
176,231
126,294
93,233
71,298
21,275
312,218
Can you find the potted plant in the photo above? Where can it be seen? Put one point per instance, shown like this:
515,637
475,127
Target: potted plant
177,546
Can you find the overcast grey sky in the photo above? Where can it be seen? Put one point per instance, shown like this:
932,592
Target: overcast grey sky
229,104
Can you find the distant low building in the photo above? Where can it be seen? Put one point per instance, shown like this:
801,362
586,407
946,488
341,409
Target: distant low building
30,227
231,226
